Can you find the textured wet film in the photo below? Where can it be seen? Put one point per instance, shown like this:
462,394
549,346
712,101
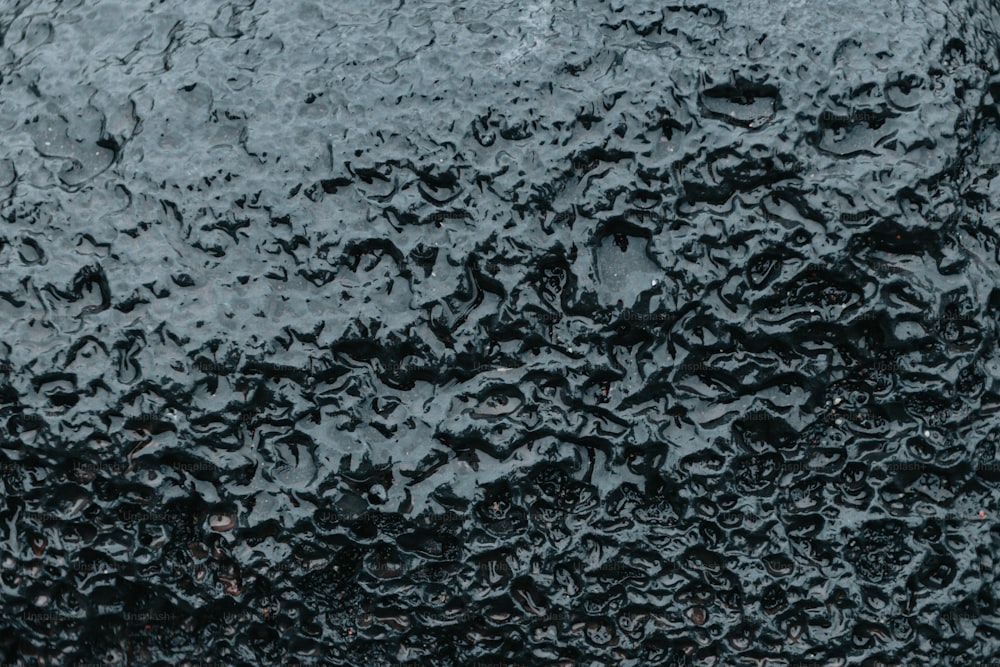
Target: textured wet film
570,333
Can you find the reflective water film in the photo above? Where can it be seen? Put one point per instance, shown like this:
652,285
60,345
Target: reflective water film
499,333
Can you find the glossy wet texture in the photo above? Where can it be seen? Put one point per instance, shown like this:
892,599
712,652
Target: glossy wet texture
528,333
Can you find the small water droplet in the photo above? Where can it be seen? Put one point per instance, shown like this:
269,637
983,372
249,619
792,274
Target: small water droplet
221,522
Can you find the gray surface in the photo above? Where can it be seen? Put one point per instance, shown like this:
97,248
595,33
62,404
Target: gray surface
193,242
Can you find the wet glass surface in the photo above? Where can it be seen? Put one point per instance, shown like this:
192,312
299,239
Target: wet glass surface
525,333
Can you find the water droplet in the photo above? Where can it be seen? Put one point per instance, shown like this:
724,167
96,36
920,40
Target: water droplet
221,522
